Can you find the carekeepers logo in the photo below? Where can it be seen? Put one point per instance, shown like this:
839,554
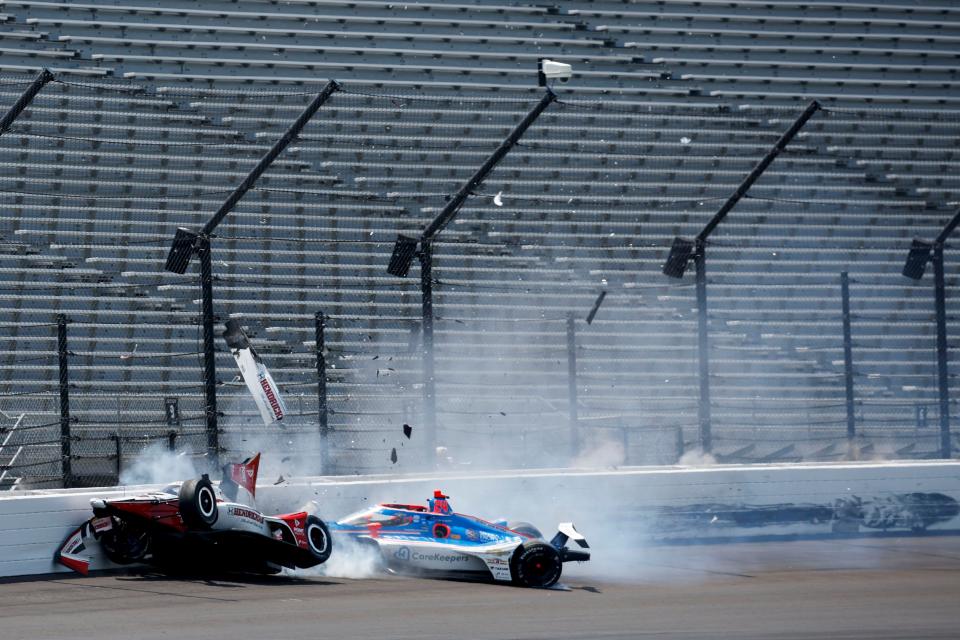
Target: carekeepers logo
404,554
271,397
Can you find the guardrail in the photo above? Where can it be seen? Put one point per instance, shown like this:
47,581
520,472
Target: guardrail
659,502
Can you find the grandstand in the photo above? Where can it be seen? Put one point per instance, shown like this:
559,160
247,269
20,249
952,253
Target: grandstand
160,107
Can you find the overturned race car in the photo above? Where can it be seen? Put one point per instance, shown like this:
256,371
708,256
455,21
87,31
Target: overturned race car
432,540
197,522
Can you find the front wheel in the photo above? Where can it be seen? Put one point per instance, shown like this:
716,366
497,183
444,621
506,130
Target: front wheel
125,543
319,542
536,564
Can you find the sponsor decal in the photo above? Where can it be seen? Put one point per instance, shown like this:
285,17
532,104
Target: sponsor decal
405,554
271,397
74,546
250,514
102,524
472,535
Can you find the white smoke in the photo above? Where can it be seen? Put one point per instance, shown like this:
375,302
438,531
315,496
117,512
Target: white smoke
604,453
156,464
696,458
351,560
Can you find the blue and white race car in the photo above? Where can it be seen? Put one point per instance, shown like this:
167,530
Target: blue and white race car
432,540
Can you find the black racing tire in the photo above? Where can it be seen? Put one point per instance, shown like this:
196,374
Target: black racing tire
198,503
125,543
525,528
319,541
536,564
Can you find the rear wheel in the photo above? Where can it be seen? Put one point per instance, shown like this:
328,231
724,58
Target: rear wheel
319,542
198,503
536,564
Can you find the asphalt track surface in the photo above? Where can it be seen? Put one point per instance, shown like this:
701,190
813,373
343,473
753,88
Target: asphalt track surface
874,588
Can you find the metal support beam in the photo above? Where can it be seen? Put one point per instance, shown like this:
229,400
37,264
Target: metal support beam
943,378
703,347
63,354
429,380
450,210
403,251
24,100
188,242
572,399
758,170
848,361
209,353
680,254
322,394
271,155
948,229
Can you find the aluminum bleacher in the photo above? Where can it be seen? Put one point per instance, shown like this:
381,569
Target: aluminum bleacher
160,107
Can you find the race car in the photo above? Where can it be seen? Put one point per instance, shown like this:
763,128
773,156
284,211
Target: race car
199,523
432,540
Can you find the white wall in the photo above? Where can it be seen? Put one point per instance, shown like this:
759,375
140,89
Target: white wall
33,524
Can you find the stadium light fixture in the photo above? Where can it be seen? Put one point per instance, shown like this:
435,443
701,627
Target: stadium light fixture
405,250
683,251
917,260
188,242
920,254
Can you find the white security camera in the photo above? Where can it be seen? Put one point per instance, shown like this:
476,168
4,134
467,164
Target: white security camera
552,70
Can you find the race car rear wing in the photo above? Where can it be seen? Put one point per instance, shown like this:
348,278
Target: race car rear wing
566,532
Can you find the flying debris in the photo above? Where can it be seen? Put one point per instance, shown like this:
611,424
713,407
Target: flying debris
393,455
258,379
596,306
280,480
127,356
407,430
498,199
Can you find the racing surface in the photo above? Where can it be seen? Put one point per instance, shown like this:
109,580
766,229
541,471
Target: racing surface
883,587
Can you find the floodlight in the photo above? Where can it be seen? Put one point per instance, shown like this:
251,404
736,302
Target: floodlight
181,250
403,252
552,70
917,259
679,257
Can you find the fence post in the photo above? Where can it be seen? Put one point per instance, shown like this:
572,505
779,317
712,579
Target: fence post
572,386
119,452
848,362
65,437
172,440
322,395
429,382
943,377
209,353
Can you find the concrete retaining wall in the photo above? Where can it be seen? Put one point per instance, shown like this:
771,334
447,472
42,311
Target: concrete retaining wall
658,501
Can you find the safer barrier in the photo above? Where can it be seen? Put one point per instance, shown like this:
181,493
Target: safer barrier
661,502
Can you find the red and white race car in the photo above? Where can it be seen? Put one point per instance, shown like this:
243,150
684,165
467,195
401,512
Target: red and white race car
197,522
